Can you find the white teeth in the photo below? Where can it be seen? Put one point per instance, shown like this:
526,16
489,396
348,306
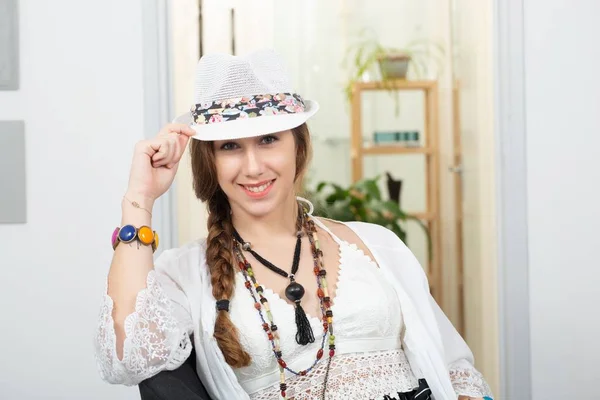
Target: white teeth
258,189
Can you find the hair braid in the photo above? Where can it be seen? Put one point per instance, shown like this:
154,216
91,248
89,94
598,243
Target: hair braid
220,261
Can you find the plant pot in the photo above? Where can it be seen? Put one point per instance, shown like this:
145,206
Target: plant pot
394,66
394,188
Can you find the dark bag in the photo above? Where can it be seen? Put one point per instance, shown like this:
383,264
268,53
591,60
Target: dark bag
180,384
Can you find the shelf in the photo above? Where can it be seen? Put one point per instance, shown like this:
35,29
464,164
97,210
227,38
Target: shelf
429,147
401,84
395,149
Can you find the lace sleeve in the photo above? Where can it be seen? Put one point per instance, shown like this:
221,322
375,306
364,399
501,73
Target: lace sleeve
156,335
467,381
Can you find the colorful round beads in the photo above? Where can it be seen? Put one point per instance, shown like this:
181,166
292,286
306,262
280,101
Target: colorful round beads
129,233
145,235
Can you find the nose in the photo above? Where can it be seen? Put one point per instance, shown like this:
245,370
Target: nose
253,165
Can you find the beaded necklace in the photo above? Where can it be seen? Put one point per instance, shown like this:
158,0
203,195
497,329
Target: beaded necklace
271,330
294,291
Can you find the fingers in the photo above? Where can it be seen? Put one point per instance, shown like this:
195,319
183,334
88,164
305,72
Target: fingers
182,129
167,148
180,141
167,151
181,134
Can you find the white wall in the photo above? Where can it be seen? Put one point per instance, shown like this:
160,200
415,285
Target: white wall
81,97
563,167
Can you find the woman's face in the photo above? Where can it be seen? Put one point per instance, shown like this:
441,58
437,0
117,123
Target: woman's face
257,174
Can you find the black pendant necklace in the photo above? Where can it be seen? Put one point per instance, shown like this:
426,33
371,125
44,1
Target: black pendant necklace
294,291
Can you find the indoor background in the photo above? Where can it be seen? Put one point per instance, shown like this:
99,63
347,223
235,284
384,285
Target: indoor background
502,171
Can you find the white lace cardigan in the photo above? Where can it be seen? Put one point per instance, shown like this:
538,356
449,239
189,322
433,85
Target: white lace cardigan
177,305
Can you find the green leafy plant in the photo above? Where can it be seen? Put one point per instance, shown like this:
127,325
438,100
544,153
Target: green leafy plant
362,56
362,201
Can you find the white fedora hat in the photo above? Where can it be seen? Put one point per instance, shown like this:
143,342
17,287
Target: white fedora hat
238,97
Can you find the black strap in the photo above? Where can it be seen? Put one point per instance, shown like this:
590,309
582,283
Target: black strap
223,305
423,392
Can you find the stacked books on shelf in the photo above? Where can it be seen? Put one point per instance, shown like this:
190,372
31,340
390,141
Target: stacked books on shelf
400,138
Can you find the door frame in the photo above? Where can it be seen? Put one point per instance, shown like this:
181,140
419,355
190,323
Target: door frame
511,199
158,102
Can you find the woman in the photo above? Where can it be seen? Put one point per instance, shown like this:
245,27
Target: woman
275,302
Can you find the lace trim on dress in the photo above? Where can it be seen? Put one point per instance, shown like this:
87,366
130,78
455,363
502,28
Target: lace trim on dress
155,339
352,376
467,381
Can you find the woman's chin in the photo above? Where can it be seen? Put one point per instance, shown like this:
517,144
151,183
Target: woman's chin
260,209
254,207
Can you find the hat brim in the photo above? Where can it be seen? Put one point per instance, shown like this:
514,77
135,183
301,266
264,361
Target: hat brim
249,127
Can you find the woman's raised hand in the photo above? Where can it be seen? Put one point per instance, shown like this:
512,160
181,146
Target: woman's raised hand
155,162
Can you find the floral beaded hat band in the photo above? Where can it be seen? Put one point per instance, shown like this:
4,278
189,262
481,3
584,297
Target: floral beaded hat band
247,107
239,97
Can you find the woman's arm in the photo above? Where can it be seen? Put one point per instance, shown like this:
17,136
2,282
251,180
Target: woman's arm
145,321
130,266
466,379
155,333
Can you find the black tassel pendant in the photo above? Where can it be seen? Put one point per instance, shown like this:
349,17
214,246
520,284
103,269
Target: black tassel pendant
304,333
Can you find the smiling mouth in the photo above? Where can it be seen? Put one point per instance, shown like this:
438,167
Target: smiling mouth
258,188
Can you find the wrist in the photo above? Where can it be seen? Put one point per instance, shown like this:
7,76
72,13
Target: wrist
136,209
140,201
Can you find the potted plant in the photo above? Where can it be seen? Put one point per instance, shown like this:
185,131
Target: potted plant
393,62
362,201
394,65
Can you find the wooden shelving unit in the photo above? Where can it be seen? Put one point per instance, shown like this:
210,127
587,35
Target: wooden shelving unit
429,150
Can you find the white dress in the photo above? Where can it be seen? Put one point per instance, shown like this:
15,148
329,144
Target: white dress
369,361
177,310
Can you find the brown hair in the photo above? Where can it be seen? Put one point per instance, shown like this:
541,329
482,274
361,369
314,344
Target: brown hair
219,250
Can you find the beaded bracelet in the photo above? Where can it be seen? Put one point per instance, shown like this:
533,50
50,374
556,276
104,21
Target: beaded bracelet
129,233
